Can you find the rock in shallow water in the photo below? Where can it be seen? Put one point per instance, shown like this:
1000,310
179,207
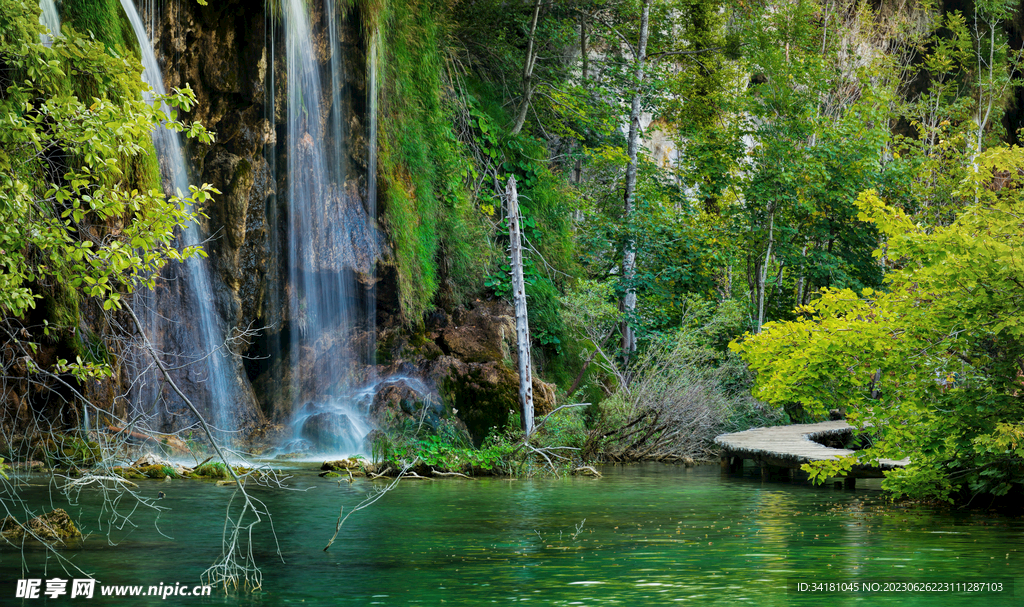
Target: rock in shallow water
333,426
54,527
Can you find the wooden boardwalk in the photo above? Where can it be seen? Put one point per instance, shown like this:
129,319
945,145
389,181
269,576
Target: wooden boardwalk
789,447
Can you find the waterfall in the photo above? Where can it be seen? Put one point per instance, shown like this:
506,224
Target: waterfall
324,230
210,362
371,177
50,18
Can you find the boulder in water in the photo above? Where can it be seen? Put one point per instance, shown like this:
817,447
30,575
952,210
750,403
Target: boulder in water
331,431
54,527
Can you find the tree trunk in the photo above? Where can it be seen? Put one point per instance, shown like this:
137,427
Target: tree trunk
763,274
531,59
800,281
583,45
628,302
577,173
586,364
519,296
876,378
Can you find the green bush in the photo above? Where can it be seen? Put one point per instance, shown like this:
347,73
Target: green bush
449,449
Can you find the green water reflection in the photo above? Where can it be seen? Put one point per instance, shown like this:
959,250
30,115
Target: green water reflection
643,535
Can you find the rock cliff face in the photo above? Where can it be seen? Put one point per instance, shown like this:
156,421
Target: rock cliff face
233,57
231,54
219,50
469,358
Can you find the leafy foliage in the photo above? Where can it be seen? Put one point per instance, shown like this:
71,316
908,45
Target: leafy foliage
70,215
423,169
448,449
934,363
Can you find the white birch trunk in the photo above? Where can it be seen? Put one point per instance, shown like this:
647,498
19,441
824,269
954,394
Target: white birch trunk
763,278
519,297
628,302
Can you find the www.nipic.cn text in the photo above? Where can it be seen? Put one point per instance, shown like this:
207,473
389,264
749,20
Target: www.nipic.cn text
88,588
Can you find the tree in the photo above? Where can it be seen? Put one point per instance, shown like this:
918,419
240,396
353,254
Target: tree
932,366
775,155
519,298
628,300
72,214
528,65
82,216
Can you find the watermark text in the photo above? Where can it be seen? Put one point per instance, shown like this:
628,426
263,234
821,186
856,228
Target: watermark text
53,588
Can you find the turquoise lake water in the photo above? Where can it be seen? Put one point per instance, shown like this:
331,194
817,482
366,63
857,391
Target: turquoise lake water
641,535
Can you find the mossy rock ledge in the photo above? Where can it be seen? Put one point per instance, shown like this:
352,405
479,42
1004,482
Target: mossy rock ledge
348,466
52,528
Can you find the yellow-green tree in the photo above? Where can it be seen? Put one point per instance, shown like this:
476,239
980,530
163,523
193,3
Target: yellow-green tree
934,364
81,208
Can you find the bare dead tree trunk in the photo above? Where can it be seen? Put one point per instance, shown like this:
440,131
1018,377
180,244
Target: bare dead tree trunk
762,277
531,60
519,296
801,280
628,302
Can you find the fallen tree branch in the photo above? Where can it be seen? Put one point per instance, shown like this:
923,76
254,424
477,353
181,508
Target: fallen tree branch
437,473
374,477
165,439
365,504
81,482
228,567
174,386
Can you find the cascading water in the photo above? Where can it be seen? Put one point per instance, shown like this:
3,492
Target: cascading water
324,234
50,18
209,357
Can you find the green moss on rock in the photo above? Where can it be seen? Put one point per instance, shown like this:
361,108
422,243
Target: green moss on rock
128,473
212,470
54,527
158,471
483,395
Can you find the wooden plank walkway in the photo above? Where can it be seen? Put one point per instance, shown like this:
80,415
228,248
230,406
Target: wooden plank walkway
789,447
